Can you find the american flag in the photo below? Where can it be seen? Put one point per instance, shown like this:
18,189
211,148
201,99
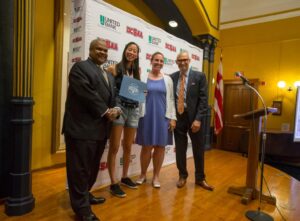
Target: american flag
218,105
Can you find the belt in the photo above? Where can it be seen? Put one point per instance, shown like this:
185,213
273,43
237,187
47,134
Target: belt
130,105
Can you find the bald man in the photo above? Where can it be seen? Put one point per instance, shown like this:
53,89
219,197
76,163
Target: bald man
190,89
87,120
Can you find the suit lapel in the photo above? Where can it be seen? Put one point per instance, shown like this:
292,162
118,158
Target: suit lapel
190,80
176,77
101,77
99,74
111,83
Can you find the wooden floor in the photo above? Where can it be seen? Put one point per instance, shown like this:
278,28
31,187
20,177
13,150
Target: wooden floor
223,169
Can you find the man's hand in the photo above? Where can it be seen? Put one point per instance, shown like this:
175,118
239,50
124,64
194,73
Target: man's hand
113,113
196,125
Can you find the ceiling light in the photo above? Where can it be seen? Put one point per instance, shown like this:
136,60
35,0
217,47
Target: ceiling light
173,24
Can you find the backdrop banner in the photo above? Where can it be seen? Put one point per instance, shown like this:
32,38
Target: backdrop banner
96,19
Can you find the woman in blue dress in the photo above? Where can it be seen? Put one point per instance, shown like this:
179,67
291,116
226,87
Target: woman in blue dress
158,119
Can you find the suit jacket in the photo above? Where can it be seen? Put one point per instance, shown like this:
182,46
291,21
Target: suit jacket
88,98
196,97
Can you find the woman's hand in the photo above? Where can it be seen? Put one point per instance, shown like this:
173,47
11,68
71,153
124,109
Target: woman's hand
172,125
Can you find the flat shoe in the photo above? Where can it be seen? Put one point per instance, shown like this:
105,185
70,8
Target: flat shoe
140,180
156,184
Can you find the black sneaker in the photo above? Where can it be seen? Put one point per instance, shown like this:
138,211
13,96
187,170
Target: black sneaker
117,191
129,183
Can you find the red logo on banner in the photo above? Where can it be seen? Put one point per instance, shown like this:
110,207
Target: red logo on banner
103,166
148,56
110,44
77,39
195,57
75,20
135,32
170,47
76,59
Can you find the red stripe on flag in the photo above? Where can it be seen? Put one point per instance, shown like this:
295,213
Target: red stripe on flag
218,104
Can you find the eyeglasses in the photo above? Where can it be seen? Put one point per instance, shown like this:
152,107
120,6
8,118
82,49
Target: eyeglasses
182,60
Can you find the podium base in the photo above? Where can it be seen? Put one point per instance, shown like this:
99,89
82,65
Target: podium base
258,216
249,194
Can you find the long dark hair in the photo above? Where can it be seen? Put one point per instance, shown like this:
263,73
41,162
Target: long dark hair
135,66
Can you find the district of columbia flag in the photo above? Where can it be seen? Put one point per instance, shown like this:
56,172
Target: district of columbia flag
218,103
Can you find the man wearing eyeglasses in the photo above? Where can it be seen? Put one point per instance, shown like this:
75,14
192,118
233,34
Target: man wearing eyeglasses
190,89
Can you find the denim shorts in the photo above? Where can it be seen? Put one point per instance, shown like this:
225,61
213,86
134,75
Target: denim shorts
129,117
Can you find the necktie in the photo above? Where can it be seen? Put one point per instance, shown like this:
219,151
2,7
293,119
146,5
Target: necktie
180,102
104,75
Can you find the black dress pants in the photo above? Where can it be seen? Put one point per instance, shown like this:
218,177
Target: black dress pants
82,161
183,126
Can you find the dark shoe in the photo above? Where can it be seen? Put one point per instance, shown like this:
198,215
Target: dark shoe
204,185
181,182
116,190
89,217
128,182
95,218
96,200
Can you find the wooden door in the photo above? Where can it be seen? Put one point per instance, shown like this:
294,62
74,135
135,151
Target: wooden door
237,99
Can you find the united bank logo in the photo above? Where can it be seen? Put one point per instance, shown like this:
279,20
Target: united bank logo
109,22
182,50
132,158
168,149
77,9
135,32
168,61
77,29
76,49
154,40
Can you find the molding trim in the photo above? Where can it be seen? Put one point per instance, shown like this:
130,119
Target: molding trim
261,18
208,18
57,78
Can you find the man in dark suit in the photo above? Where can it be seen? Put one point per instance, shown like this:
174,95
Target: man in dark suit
88,115
190,88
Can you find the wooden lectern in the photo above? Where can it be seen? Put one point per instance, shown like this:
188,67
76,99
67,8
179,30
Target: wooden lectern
250,191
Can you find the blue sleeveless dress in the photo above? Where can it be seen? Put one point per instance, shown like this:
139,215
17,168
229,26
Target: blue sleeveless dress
153,127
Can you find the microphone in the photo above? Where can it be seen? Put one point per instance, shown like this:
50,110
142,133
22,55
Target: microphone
241,76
